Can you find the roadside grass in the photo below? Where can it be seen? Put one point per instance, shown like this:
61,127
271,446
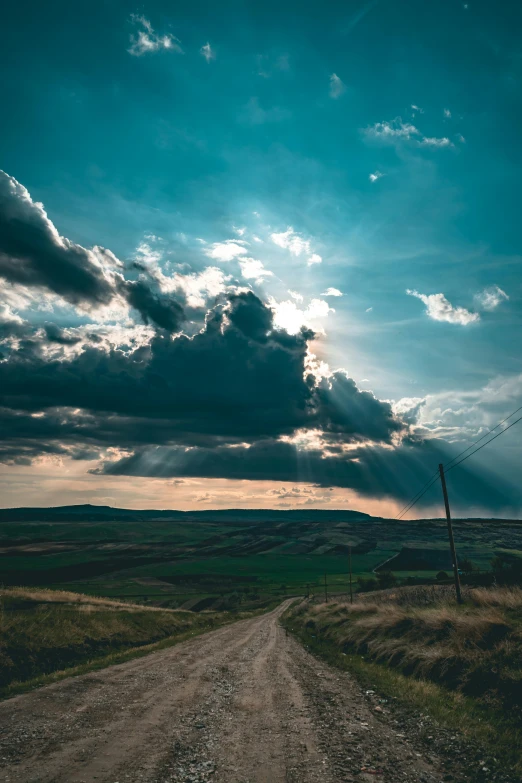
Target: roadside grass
47,635
461,664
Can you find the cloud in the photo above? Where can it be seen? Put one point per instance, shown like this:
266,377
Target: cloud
288,316
315,258
12,326
296,244
153,306
389,131
371,471
207,52
447,113
332,292
227,250
296,295
207,497
417,109
461,416
399,131
375,176
251,268
61,336
300,496
240,378
254,114
148,255
438,308
368,310
337,86
490,298
145,40
33,253
436,142
197,287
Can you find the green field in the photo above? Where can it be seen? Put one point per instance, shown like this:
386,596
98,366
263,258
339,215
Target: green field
234,558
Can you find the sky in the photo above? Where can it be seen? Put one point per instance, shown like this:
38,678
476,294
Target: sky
259,254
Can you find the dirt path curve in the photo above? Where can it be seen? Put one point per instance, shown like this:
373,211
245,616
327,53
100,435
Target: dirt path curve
243,704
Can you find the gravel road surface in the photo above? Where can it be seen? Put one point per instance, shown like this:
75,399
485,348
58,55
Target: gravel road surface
243,704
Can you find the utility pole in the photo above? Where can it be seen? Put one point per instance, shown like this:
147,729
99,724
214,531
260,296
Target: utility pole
350,562
450,535
325,590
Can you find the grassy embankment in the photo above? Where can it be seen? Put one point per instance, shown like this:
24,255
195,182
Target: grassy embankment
46,635
461,664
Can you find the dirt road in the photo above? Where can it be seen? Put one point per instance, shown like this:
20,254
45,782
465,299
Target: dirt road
243,704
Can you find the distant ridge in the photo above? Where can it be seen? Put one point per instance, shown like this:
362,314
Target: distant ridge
87,512
91,513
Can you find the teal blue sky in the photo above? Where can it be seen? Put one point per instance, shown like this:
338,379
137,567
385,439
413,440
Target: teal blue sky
370,148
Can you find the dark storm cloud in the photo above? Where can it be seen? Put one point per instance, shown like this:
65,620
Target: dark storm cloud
250,315
153,306
13,328
60,336
238,379
185,407
346,411
33,254
372,471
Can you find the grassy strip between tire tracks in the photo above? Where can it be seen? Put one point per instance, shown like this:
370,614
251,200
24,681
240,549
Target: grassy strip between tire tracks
46,636
495,732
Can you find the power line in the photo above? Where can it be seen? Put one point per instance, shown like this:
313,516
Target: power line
419,496
482,438
416,497
449,466
487,443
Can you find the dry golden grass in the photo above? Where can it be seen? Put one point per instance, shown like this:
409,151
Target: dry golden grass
44,631
475,647
79,600
504,597
460,664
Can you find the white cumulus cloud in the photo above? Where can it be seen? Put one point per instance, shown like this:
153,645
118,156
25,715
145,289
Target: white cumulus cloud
332,292
145,40
198,287
438,308
227,250
375,176
288,316
251,268
148,255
